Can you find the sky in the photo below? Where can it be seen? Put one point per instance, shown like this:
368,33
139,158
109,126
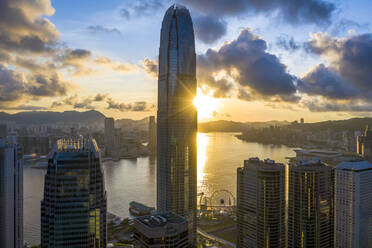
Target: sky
256,60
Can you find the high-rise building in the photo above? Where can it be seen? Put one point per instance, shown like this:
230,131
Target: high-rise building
152,135
364,144
353,205
177,118
11,193
310,204
166,230
73,210
261,204
109,136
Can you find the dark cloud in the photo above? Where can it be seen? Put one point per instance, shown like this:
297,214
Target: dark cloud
23,27
209,29
150,67
244,95
349,73
129,107
80,103
316,105
287,43
326,82
15,86
101,29
294,12
139,8
246,61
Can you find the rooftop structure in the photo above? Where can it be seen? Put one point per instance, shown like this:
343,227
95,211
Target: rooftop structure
161,230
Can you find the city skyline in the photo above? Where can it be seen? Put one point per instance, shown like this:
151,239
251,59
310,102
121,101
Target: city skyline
59,60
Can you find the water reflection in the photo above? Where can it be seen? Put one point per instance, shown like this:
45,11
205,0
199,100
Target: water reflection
202,142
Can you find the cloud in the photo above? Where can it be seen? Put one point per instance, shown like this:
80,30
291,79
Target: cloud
114,65
16,86
209,29
23,27
105,30
129,107
80,103
247,63
324,105
24,108
150,67
139,8
293,12
287,43
349,72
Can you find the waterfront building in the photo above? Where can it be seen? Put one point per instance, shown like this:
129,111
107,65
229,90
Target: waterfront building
152,135
331,158
261,204
364,144
11,192
73,210
310,205
166,230
109,136
353,205
177,118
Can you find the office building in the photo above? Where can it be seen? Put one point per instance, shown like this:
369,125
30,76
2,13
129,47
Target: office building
152,135
177,118
167,230
364,144
11,192
261,204
310,204
353,205
73,210
109,136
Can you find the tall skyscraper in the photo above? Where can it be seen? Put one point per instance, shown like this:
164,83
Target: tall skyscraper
353,205
261,204
152,135
177,118
73,210
310,205
11,193
109,136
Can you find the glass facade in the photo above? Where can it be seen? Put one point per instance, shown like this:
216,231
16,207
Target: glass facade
310,205
11,194
73,210
177,118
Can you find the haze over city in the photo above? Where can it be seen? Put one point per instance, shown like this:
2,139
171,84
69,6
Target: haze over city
255,61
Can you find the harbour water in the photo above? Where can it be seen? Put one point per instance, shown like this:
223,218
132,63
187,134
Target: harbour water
219,154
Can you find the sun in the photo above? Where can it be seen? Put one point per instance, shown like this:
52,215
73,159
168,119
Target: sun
207,106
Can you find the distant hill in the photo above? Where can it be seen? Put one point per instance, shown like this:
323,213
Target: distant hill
341,125
46,117
129,124
232,126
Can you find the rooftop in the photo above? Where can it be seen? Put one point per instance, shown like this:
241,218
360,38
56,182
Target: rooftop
355,166
161,219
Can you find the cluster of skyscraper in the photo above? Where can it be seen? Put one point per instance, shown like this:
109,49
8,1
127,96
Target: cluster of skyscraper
307,204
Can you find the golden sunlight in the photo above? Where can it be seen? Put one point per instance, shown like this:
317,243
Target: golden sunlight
206,105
